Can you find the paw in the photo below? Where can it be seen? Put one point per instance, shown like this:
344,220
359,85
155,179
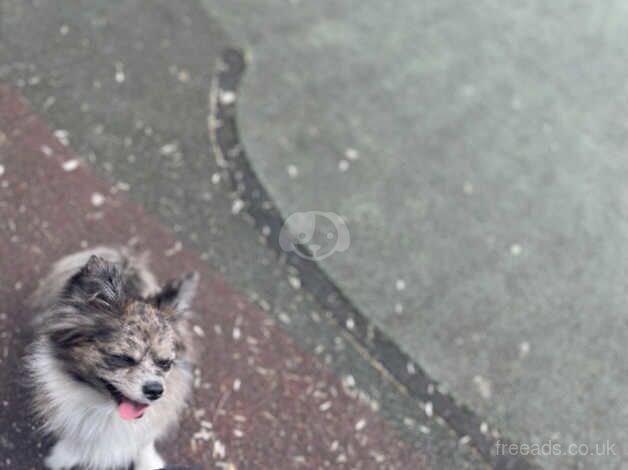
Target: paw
149,459
60,458
156,463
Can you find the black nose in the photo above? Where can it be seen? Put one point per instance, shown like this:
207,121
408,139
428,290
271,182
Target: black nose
153,390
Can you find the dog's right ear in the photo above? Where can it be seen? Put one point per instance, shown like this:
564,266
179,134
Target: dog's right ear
177,295
98,283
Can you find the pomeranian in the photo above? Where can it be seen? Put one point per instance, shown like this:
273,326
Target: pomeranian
110,366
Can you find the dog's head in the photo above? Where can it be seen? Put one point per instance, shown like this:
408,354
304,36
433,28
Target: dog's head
109,338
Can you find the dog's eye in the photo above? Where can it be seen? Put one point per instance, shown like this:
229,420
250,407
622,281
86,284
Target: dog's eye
164,364
121,360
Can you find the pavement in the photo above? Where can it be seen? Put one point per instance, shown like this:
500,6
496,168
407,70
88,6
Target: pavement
472,152
261,402
103,112
475,152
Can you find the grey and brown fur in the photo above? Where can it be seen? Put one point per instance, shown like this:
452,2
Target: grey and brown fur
104,329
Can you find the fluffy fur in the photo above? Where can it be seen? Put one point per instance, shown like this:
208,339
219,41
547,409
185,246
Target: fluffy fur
104,329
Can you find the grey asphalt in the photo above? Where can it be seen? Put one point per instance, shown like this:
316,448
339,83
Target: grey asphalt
476,151
126,86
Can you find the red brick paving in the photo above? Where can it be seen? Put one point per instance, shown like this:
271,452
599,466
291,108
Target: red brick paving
284,411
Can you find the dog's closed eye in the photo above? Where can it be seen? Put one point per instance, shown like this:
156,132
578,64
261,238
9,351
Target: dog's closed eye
164,364
119,361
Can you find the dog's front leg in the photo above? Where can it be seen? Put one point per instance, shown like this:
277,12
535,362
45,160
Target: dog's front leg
149,459
62,456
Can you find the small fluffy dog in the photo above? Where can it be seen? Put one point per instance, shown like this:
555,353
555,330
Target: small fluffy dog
110,366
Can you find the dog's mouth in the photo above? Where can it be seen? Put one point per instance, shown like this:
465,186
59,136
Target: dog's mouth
127,409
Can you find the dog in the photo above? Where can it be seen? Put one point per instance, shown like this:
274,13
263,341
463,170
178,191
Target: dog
110,367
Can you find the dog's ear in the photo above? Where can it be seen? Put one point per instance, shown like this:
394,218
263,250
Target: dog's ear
177,294
98,283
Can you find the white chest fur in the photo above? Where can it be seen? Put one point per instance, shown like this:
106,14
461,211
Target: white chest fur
87,424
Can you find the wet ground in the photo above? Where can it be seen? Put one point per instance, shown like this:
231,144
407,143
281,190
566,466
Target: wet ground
476,154
116,147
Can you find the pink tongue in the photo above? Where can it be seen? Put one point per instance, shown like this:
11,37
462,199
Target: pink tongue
130,410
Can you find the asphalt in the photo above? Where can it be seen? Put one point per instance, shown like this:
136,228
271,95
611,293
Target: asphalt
259,401
303,257
126,87
475,153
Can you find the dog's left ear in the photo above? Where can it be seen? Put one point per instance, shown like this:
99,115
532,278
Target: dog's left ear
98,284
178,293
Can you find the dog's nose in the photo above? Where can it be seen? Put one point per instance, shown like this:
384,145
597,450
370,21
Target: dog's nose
153,390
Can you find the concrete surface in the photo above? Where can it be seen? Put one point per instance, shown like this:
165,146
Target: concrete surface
487,202
129,83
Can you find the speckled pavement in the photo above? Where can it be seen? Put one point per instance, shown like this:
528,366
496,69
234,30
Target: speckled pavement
260,401
125,86
477,152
